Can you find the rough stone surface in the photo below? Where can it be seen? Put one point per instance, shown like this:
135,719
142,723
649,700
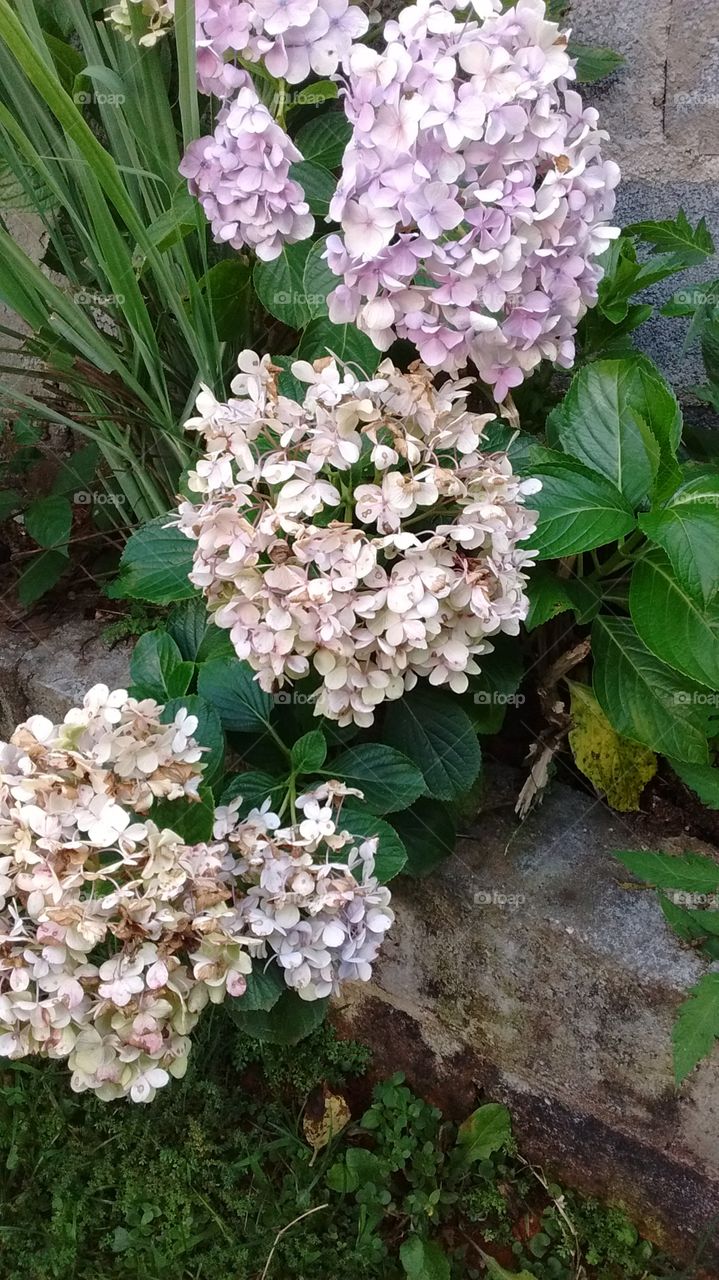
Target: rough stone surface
50,674
526,968
692,101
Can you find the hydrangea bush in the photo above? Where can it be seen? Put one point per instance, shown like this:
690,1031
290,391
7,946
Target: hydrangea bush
115,933
361,534
473,196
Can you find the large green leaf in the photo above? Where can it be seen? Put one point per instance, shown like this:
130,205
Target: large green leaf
157,667
671,623
231,687
423,1259
318,279
428,831
391,855
49,520
687,529
324,139
42,573
195,634
594,62
676,235
208,733
309,752
702,779
322,338
387,779
280,285
317,183
643,698
254,787
192,820
691,872
578,510
288,1021
604,422
487,1130
697,1026
228,286
430,729
155,565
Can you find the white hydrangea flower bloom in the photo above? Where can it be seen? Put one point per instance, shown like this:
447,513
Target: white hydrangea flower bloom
362,534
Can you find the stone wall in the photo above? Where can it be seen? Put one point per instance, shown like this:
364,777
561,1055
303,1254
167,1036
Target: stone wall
662,112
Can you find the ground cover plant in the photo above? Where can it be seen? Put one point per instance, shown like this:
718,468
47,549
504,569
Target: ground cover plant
273,1162
362,557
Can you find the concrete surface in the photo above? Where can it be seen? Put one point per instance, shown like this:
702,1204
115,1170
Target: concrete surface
524,968
48,671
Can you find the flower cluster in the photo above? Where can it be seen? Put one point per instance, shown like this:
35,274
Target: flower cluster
473,197
157,13
292,37
362,533
114,933
241,176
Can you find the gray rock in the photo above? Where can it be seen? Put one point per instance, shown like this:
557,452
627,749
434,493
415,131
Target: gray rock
48,674
527,968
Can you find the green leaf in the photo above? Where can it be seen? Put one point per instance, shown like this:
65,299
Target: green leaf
604,423
430,729
702,779
428,831
324,139
423,1259
676,235
391,854
155,565
231,687
548,597
578,510
314,94
495,688
49,521
322,338
691,872
497,1272
686,527
10,500
318,281
387,778
317,183
265,987
194,633
192,820
288,1021
157,667
697,1026
40,576
208,733
673,625
487,1130
228,286
642,697
174,224
255,787
77,473
309,752
594,62
280,285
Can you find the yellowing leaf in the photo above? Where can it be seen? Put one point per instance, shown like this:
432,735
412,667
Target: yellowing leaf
618,768
326,1114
